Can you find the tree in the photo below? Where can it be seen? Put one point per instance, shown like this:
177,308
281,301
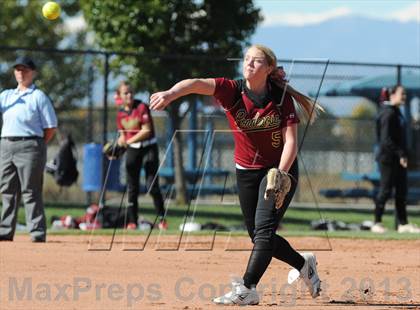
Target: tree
174,40
357,131
22,25
365,109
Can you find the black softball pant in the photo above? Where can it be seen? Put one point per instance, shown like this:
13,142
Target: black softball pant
135,159
392,175
262,219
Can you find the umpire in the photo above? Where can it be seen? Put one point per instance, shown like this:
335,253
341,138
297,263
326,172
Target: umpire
29,122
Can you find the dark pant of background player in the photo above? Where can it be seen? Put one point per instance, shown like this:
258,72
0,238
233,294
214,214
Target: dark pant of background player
22,175
262,219
135,159
392,175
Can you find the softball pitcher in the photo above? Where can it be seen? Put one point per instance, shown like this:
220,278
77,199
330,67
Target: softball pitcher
262,116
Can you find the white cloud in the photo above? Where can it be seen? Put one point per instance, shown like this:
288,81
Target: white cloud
302,19
408,14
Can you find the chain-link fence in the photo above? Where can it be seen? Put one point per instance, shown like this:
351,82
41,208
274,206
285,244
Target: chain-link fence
82,85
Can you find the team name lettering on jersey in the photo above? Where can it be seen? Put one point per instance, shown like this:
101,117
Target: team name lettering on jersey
245,123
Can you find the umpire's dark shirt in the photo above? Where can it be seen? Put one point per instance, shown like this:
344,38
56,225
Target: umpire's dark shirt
391,134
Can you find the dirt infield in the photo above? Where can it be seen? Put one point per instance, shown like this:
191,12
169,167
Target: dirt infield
77,272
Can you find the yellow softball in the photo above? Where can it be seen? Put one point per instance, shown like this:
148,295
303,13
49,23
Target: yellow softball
51,10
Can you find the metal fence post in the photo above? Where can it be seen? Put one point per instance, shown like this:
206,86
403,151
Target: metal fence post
89,119
105,125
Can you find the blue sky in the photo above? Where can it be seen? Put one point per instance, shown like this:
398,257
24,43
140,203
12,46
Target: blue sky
302,12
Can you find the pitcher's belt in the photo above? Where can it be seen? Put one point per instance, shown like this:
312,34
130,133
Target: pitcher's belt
145,143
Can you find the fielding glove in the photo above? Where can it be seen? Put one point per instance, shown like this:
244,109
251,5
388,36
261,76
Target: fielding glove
278,185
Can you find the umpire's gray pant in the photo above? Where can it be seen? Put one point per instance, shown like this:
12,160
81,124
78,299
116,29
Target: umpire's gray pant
22,175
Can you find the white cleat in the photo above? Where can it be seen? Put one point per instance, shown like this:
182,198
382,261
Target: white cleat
308,273
240,295
378,228
408,228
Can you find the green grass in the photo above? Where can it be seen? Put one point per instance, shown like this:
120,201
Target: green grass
295,223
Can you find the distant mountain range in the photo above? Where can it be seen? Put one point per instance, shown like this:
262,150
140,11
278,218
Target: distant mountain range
349,38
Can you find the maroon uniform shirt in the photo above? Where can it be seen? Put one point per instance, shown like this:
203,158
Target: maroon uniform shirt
256,130
131,121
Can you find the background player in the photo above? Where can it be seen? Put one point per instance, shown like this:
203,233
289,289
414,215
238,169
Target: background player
137,133
391,129
263,120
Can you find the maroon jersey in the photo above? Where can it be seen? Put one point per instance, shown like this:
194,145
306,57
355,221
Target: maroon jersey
256,129
132,120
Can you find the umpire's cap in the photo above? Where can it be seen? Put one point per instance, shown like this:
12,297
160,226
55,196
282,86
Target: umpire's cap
25,61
